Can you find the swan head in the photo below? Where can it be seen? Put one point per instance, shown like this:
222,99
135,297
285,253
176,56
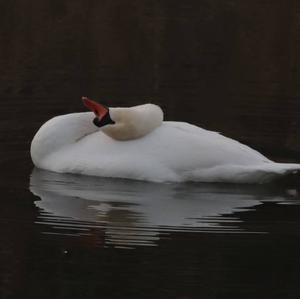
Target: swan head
125,123
101,112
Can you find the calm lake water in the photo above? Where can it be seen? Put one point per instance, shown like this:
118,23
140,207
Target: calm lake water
68,236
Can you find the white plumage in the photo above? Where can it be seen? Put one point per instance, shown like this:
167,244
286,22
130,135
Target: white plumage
153,150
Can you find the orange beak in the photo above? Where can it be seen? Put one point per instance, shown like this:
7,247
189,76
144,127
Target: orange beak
99,110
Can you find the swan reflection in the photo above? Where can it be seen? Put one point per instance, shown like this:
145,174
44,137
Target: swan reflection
132,213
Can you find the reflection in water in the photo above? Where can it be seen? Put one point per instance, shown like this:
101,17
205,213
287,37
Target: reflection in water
128,213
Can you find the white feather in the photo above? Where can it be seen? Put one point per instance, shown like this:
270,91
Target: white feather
167,151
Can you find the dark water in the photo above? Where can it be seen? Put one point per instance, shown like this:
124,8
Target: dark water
68,236
230,66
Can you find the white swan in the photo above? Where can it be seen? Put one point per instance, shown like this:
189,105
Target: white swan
136,143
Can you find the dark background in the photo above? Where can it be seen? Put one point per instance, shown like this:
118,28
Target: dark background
231,66
227,65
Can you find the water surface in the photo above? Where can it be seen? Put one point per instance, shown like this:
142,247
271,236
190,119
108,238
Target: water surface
69,236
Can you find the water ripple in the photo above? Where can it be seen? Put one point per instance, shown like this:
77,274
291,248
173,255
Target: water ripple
129,214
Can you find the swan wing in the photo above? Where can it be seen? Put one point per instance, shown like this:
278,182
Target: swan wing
173,152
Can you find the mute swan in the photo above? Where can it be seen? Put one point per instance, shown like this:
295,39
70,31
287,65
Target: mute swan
136,143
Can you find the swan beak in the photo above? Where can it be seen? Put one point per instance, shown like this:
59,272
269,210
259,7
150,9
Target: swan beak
99,110
102,113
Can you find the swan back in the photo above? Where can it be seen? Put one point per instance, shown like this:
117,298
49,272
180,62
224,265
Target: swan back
60,131
133,122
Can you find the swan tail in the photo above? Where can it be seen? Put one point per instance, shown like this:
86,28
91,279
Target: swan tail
254,174
286,168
